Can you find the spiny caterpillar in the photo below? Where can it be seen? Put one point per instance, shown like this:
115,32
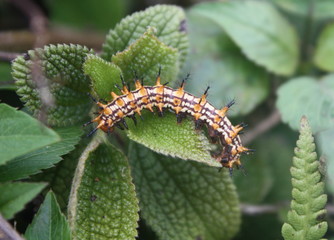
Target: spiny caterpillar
183,103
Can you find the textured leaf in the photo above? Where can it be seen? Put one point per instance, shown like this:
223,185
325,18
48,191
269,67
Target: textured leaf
324,52
15,195
259,30
184,200
46,157
165,136
325,140
103,204
320,9
145,56
104,75
60,177
49,223
306,96
20,134
305,219
217,62
52,81
168,20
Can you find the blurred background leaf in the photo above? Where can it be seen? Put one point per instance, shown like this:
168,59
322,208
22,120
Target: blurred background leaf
324,52
217,62
321,9
326,144
88,14
261,32
6,81
305,96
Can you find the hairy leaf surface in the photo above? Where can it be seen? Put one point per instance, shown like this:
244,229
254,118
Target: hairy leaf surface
52,84
103,204
184,200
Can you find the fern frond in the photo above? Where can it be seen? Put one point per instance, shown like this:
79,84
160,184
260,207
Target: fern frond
306,218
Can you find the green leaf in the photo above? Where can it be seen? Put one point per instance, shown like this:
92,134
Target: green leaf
60,177
145,56
103,204
104,75
46,157
217,62
259,30
307,96
15,195
169,22
49,223
319,9
324,52
306,217
52,84
184,200
21,134
165,136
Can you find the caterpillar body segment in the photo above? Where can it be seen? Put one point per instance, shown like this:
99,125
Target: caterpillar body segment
183,103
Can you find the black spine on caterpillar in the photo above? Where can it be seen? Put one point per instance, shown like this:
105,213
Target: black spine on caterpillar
183,103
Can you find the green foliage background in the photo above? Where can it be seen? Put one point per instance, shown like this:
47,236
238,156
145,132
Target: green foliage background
273,57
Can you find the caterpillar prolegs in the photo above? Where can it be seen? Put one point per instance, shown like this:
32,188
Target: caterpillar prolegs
161,96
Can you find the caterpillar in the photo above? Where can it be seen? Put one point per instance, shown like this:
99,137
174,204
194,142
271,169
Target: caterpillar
161,96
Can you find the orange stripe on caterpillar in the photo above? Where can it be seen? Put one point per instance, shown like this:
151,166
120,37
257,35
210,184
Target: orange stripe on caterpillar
183,103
